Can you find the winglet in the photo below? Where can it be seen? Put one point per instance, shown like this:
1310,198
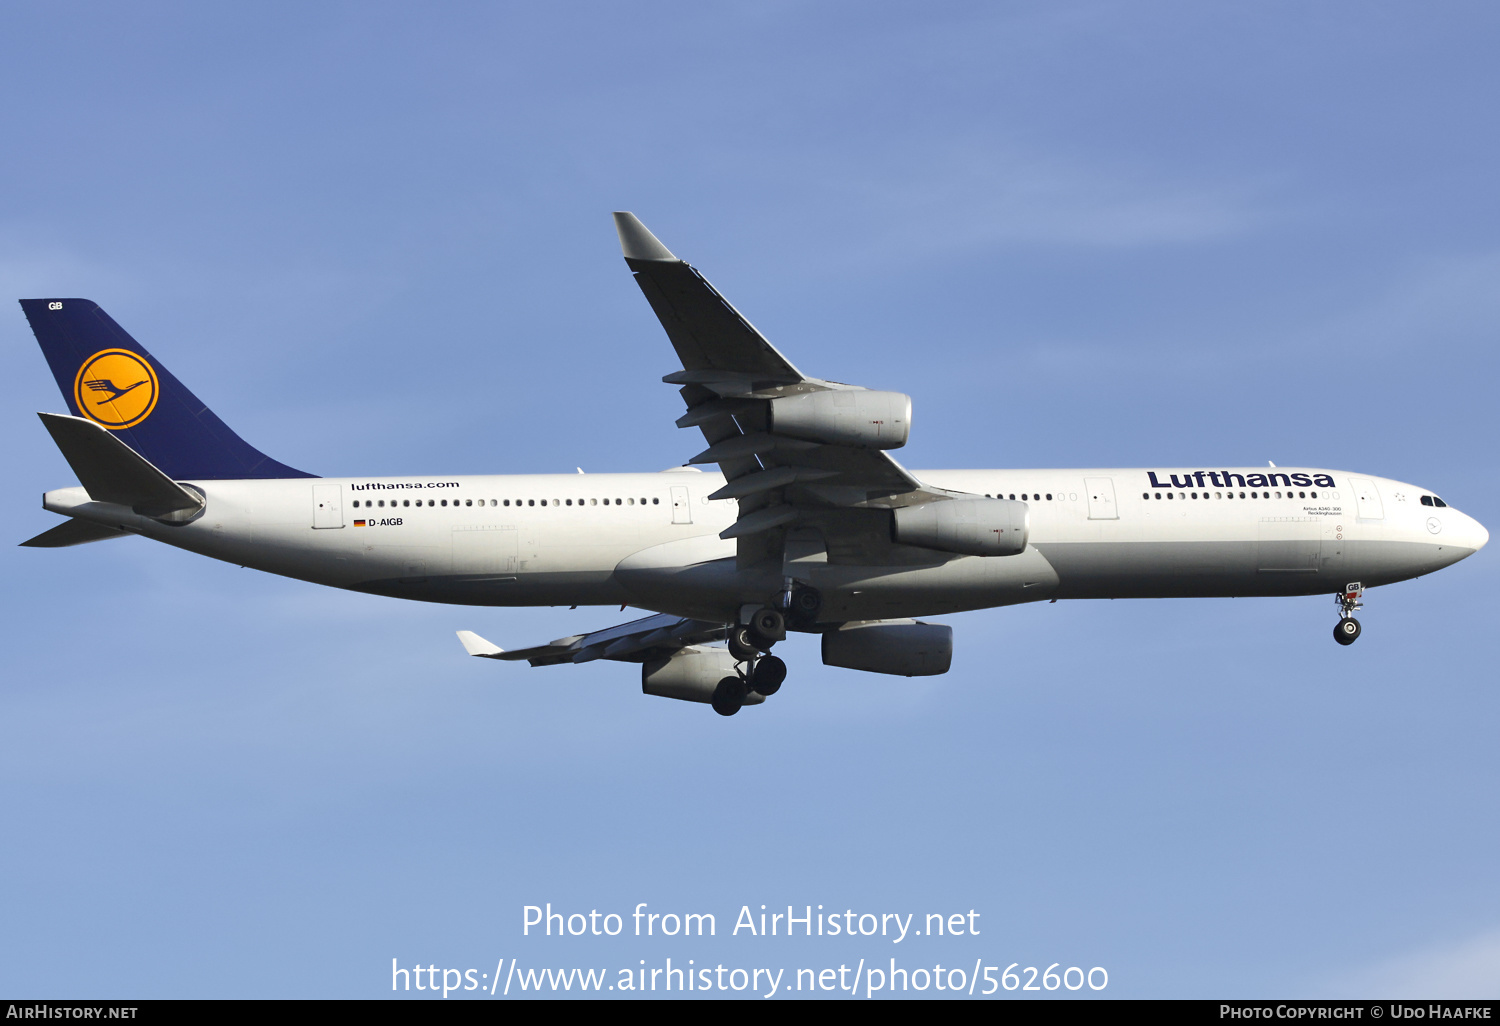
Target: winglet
477,646
636,240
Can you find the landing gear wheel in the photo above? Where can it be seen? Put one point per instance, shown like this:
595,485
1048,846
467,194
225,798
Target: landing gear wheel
768,674
742,644
769,626
1346,631
729,696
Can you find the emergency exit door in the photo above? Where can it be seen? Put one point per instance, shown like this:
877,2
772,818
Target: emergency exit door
328,506
1101,492
682,513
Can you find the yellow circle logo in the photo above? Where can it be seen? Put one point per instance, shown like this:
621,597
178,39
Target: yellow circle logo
116,388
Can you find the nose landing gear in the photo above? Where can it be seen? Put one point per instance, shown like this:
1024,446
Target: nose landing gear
1347,630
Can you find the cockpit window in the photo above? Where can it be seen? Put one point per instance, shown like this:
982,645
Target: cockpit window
1433,500
1427,500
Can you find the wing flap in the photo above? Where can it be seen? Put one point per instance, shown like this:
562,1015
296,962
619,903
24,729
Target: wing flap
731,375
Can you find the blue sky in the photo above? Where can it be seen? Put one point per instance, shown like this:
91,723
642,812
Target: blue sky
376,240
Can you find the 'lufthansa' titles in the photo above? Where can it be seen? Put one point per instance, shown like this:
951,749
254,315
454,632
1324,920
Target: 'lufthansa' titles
1227,479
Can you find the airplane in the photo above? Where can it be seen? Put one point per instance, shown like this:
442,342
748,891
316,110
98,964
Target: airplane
802,521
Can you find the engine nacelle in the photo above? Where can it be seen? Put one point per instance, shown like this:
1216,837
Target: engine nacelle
973,527
691,675
855,417
905,648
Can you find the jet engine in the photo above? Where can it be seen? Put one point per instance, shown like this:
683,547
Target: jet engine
905,648
855,417
691,675
972,527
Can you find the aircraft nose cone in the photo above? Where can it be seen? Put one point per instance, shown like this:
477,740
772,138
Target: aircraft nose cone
1469,534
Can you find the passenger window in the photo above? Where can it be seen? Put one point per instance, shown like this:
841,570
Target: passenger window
570,502
531,502
1145,495
1049,496
1313,494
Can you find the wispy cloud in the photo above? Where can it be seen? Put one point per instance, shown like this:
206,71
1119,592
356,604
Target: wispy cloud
1469,969
982,194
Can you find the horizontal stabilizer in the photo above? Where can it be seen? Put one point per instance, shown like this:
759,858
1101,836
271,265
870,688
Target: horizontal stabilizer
72,532
111,471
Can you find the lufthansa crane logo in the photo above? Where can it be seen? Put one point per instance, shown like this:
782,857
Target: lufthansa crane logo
116,388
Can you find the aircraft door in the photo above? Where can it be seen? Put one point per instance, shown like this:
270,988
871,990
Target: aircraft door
328,506
682,513
1101,493
1367,498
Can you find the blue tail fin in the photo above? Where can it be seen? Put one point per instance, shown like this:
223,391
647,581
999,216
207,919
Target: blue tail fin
108,377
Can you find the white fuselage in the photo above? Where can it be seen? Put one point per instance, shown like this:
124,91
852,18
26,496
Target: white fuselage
651,540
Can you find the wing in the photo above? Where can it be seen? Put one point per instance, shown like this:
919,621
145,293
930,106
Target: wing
636,642
730,379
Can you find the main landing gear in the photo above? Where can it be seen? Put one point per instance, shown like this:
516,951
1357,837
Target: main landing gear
750,644
1346,631
763,675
